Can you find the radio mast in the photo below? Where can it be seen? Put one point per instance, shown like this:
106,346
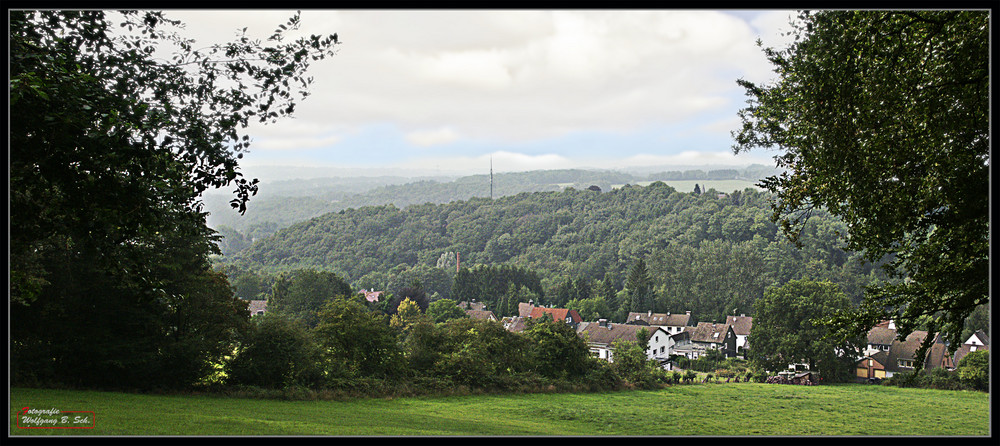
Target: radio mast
491,177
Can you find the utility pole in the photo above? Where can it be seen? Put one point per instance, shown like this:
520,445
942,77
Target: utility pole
491,177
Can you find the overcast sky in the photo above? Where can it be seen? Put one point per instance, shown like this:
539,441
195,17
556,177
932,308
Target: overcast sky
447,90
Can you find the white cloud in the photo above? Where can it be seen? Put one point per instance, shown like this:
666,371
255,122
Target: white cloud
502,161
444,76
432,137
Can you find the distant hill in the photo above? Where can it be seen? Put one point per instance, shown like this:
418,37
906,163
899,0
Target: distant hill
282,203
712,252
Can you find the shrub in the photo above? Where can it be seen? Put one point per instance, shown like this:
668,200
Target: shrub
275,352
690,375
974,370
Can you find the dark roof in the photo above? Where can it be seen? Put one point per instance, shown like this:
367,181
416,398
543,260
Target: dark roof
881,335
660,319
982,337
741,324
514,323
524,309
879,360
481,314
965,349
937,355
472,305
603,335
709,332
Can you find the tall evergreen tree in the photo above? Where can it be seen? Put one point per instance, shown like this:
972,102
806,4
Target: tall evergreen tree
639,286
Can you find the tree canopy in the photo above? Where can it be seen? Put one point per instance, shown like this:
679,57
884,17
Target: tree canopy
882,118
110,149
787,330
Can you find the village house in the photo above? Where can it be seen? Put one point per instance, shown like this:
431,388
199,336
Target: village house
978,341
481,314
704,337
371,295
601,336
257,307
880,338
673,323
741,327
479,306
515,324
881,361
524,309
571,317
528,311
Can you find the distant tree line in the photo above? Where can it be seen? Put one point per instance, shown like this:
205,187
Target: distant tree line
284,203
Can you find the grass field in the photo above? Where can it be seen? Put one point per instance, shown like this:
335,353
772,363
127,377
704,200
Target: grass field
743,409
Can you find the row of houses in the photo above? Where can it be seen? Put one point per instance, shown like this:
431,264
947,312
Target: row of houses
669,334
886,355
666,334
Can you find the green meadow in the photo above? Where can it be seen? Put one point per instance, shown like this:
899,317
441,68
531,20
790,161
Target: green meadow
744,409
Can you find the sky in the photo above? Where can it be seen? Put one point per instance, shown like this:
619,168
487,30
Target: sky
452,91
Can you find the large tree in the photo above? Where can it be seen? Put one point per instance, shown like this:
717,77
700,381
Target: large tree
302,293
882,118
787,330
111,147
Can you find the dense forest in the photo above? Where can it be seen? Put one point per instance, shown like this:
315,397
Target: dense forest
634,248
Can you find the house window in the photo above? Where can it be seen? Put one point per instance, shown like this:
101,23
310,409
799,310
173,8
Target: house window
906,363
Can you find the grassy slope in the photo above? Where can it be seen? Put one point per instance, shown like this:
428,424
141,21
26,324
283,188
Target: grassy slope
700,409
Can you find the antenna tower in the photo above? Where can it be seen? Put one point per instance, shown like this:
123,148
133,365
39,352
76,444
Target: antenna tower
491,177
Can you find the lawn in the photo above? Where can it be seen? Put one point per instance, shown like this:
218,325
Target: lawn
743,409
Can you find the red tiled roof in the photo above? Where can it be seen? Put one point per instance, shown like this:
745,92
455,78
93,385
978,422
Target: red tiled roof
371,296
558,314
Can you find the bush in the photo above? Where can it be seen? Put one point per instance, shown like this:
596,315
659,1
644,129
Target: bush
602,377
974,370
275,352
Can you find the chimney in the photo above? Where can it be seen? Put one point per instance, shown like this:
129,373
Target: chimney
689,312
649,313
602,322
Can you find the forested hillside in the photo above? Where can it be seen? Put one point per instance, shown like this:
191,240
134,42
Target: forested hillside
280,204
713,254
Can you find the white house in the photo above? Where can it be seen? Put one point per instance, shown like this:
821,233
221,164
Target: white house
672,323
741,327
600,337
